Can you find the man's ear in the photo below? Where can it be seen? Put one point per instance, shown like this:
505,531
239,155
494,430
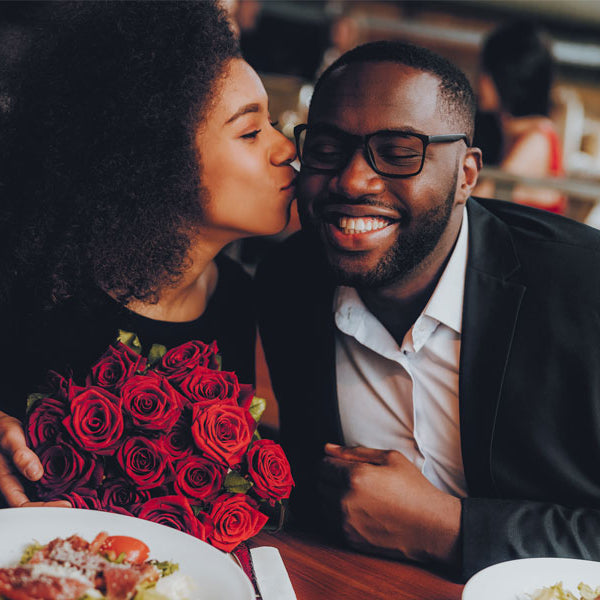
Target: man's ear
469,173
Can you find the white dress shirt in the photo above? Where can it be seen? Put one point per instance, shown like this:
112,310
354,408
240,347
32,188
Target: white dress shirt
406,398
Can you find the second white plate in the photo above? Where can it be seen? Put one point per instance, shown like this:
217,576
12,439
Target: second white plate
515,579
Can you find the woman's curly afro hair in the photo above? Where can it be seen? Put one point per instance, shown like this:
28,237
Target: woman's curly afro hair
100,180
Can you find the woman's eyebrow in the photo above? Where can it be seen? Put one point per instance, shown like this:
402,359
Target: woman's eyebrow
244,110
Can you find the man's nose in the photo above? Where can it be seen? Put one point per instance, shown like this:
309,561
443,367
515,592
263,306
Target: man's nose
358,178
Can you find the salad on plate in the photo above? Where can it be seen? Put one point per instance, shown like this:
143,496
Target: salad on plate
107,568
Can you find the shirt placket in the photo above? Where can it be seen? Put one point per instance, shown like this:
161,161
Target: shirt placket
408,358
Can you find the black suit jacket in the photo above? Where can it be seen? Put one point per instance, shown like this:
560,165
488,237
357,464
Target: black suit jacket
529,381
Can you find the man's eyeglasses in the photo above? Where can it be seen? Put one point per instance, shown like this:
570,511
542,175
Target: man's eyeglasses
389,153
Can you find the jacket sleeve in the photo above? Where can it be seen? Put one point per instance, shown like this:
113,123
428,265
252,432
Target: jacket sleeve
495,530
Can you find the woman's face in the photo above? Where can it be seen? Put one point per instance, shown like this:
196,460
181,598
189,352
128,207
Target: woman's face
245,161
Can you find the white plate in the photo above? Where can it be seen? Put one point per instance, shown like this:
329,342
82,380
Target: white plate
217,577
514,579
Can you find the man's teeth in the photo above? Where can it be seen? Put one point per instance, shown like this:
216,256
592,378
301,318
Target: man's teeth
360,225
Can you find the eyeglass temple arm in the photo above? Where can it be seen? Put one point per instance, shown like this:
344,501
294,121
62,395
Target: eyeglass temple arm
450,137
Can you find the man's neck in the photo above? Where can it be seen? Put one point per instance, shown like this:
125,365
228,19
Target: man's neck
398,312
398,305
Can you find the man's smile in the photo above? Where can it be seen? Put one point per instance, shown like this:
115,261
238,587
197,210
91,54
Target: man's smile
358,227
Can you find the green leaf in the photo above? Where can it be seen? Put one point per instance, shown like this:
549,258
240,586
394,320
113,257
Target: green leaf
197,509
157,351
32,399
219,360
30,551
236,484
131,340
257,408
165,567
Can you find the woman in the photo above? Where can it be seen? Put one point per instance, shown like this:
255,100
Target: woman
140,145
515,83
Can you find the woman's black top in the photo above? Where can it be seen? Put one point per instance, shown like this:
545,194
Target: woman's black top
72,337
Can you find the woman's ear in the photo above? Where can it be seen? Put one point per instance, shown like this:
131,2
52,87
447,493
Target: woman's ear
467,180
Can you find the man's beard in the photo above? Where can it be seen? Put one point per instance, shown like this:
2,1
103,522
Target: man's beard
408,252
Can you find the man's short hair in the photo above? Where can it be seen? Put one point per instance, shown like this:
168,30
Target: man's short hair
455,90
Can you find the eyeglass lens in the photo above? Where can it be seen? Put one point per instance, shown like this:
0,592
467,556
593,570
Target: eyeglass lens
391,153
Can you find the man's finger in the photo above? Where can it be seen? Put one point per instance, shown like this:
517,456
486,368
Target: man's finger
13,444
357,454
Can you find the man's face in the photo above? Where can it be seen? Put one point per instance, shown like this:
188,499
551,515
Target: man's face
378,230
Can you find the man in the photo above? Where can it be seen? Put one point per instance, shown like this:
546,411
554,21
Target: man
447,347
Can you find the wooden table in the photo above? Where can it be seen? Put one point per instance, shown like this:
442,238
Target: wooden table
324,572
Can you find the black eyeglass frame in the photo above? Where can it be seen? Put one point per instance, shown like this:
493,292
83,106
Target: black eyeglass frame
363,140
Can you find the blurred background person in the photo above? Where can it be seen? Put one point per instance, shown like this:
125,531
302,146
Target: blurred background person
514,89
343,36
244,15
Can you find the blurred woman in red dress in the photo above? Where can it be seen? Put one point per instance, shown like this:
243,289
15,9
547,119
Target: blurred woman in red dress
514,83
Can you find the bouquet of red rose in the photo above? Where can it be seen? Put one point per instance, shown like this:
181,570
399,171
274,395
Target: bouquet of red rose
167,437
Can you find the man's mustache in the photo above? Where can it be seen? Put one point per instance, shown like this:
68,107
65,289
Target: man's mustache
336,198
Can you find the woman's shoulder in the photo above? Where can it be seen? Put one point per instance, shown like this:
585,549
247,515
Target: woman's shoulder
534,140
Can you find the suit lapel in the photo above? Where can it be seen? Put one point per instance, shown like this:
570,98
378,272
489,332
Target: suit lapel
490,310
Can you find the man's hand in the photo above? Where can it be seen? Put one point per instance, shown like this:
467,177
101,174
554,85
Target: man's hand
387,506
16,457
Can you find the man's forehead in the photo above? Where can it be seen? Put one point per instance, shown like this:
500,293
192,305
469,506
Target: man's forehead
386,93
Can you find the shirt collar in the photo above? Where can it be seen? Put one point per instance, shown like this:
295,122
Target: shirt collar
446,302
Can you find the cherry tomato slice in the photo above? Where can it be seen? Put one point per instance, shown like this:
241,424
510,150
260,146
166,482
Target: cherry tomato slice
97,542
132,549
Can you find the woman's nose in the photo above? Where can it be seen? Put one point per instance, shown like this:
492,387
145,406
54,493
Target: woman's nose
357,178
284,151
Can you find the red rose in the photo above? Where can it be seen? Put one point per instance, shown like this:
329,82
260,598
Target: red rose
236,518
178,443
82,499
44,421
246,395
205,387
114,367
222,432
95,422
142,461
151,402
270,471
118,492
176,512
66,470
199,478
179,361
58,386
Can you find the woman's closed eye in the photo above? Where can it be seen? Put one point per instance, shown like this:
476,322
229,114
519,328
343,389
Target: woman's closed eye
253,134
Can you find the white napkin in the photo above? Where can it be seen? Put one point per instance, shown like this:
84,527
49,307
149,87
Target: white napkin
271,576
